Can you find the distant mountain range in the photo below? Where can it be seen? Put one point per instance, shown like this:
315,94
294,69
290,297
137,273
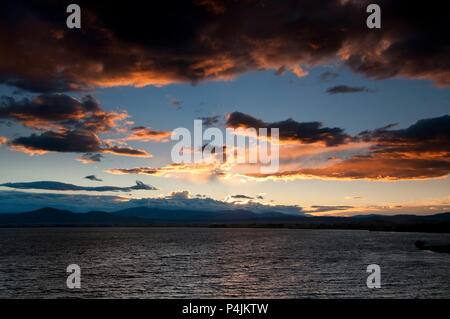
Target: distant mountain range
55,217
145,216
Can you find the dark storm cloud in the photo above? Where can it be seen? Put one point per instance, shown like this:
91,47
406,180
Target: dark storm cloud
424,138
93,178
437,128
304,132
148,43
66,125
58,186
70,142
40,85
59,111
46,107
346,89
65,142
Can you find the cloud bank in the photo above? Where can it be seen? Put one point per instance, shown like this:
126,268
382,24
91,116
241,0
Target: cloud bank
16,201
309,150
158,43
22,201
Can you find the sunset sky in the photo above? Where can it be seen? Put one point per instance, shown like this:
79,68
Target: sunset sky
363,113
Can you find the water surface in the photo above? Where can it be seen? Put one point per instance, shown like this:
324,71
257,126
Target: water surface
219,263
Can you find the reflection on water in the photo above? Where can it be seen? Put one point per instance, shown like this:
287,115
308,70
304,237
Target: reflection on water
218,263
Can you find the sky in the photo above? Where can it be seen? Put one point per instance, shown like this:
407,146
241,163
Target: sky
363,114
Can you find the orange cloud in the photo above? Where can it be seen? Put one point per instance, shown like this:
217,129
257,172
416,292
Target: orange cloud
368,168
146,134
194,172
3,140
421,151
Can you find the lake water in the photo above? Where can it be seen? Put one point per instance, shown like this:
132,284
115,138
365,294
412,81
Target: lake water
219,263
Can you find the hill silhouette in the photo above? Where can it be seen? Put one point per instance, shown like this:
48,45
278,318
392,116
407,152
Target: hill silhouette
48,216
145,216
